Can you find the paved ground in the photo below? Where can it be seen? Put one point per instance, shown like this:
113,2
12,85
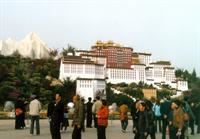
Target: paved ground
113,132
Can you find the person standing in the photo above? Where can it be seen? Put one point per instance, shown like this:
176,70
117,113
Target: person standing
95,108
143,122
158,116
34,112
102,116
187,109
24,112
151,130
176,121
94,114
89,113
165,109
56,117
19,113
197,114
50,108
123,112
84,112
65,122
192,120
136,119
133,110
77,117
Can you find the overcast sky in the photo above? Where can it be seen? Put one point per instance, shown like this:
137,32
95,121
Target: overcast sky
169,29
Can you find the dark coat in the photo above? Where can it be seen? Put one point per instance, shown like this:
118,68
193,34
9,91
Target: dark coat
135,117
58,113
20,104
151,121
89,107
165,108
50,109
143,122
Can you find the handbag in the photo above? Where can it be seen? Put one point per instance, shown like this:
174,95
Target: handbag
18,111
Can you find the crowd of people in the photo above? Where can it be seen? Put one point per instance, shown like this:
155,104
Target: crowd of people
173,117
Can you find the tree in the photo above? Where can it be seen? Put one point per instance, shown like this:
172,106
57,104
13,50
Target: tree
16,54
68,89
140,84
134,92
4,71
26,76
163,93
70,49
5,90
194,75
109,94
186,75
179,73
53,53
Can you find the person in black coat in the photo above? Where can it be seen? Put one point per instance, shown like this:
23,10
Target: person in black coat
165,109
50,108
143,122
192,119
57,117
197,114
20,113
89,113
135,115
151,130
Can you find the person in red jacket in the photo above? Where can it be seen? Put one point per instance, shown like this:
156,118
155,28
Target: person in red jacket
102,116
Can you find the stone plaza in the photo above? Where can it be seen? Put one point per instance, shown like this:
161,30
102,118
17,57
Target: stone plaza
113,131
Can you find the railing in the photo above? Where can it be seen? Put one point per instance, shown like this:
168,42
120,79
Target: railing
43,115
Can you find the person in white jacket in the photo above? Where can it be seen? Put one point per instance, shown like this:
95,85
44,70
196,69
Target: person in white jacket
95,108
34,112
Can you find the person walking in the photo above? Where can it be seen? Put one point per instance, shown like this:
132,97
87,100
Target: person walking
77,117
56,117
34,112
102,116
123,112
89,113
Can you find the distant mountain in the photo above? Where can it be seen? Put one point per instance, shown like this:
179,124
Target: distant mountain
31,46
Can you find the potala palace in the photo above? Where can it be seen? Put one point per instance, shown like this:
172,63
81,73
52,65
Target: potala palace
108,62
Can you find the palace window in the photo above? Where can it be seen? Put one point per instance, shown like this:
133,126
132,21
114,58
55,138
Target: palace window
67,68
